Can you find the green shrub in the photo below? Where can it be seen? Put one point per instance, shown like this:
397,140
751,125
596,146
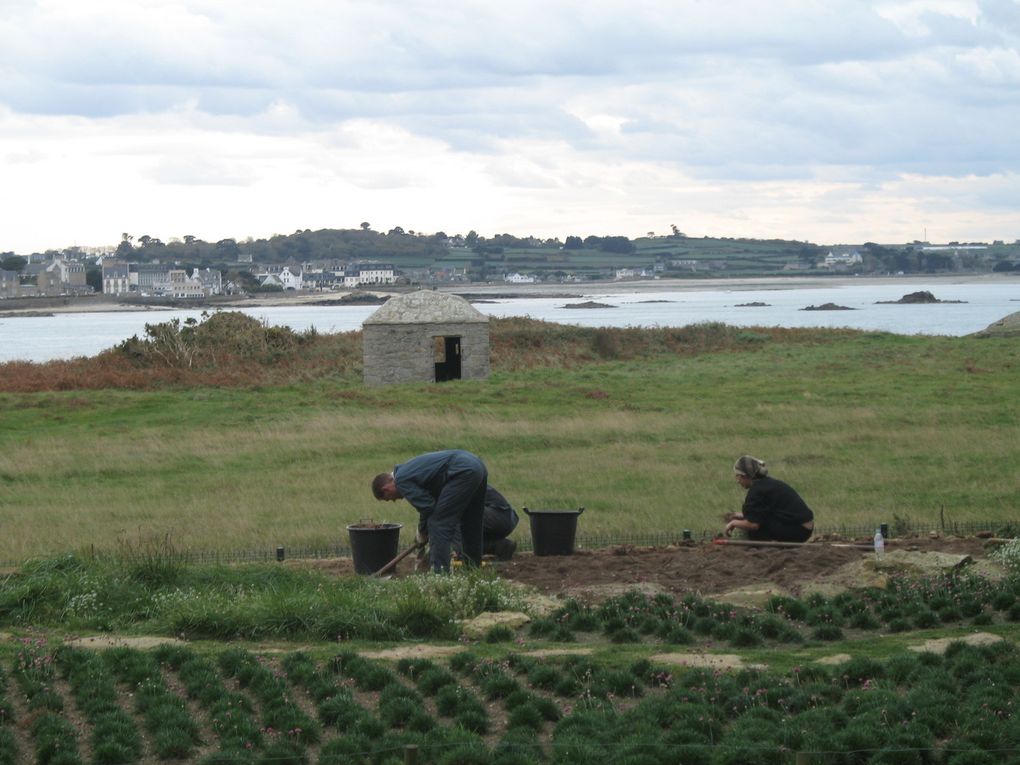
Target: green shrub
526,716
788,607
8,747
522,664
861,670
518,747
677,635
283,752
864,620
824,615
228,756
750,741
624,635
341,711
925,618
397,712
950,614
55,740
1003,600
499,685
745,637
621,683
463,662
453,700
898,624
583,621
544,677
499,634
542,627
432,679
473,753
827,632
971,757
346,750
567,687
473,719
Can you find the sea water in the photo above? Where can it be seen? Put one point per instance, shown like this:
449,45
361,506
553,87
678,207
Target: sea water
65,335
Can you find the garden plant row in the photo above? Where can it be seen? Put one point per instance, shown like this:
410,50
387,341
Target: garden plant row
906,604
495,704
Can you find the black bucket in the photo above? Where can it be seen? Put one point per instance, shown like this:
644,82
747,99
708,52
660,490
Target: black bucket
553,531
373,545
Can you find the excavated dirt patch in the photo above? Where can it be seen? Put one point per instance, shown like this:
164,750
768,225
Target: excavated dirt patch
703,568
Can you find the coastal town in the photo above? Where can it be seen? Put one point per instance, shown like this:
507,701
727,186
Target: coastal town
330,260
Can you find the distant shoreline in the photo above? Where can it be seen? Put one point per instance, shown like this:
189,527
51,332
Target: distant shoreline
763,283
24,307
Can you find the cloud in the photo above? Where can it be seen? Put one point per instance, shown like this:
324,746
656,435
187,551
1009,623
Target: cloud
570,111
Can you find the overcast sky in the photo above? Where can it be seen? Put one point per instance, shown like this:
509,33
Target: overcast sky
831,121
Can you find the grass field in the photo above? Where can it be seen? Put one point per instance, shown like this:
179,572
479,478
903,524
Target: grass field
639,428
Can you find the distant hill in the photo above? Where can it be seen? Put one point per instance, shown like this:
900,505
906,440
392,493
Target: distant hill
438,256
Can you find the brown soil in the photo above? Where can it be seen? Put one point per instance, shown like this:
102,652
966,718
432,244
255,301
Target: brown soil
704,568
701,567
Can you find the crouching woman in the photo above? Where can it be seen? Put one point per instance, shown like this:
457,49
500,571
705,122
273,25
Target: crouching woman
772,509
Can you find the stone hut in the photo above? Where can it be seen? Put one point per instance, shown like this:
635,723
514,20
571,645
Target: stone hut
425,336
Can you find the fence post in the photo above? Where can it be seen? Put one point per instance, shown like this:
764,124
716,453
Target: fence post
410,755
802,758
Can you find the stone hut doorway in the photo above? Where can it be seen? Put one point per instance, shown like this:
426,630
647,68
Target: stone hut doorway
447,350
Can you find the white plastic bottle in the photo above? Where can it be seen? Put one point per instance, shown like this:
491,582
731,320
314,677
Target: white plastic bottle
879,544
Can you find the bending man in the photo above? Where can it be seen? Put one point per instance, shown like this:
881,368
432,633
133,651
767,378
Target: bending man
499,521
772,509
447,489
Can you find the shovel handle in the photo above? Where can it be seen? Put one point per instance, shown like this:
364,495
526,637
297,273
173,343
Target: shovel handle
763,543
399,558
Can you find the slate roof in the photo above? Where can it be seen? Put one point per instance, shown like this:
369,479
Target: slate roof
427,307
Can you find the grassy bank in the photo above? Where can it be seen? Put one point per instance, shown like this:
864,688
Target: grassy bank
638,426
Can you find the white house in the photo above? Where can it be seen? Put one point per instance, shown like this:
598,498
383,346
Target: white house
291,280
627,273
842,259
116,277
369,273
210,280
177,284
516,278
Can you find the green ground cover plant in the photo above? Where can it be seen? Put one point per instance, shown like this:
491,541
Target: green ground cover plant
917,708
174,732
232,714
115,737
8,743
907,603
610,420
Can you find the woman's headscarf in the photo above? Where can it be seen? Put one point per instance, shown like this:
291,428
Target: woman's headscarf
752,467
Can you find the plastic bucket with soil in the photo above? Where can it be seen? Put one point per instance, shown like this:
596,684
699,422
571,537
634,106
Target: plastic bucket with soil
553,531
373,545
